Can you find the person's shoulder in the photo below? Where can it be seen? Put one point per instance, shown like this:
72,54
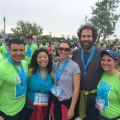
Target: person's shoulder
74,66
34,45
5,61
26,45
4,65
24,62
73,63
98,50
77,51
2,47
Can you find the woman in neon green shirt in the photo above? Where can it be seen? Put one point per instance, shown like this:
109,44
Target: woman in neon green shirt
108,90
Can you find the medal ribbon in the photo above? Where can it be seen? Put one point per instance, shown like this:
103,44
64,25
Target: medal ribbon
7,51
20,72
58,72
85,66
29,51
42,80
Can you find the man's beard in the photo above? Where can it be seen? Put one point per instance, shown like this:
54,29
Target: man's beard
86,46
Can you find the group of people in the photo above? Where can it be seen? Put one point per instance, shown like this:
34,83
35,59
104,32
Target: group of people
86,85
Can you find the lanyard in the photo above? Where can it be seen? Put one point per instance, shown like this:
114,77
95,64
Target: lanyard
58,72
42,80
20,72
7,51
29,52
85,66
6,47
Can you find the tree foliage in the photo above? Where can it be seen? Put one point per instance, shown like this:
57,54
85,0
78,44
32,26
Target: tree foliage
26,28
105,16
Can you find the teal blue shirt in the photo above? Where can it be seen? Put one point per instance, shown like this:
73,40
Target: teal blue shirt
35,86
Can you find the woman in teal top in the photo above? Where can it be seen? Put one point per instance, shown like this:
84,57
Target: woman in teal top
39,85
108,90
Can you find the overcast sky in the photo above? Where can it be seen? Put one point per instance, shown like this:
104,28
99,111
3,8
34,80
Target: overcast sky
55,16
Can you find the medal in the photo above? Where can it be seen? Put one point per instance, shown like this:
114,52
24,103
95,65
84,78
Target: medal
56,82
57,91
100,103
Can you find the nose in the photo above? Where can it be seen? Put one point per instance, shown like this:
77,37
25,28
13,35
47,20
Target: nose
42,58
19,52
86,38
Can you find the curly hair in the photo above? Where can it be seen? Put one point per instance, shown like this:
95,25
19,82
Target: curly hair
89,27
34,65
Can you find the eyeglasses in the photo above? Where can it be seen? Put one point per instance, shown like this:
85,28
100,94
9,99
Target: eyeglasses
64,49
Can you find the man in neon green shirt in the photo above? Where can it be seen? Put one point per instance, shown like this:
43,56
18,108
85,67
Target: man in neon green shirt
43,45
13,83
30,47
4,48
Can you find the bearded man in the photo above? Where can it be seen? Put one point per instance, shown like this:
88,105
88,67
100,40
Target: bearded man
88,58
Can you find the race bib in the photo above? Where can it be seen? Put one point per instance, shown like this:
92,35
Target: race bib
41,99
100,104
57,91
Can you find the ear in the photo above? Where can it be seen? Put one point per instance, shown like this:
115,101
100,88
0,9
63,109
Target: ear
116,62
71,52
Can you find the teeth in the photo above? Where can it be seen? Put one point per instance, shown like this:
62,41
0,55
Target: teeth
106,67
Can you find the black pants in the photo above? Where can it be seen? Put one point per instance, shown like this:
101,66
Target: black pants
92,112
19,116
57,107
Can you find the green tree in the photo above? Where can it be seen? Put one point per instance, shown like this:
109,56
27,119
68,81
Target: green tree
74,38
104,17
26,28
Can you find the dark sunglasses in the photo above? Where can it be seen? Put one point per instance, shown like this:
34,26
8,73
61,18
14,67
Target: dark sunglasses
64,49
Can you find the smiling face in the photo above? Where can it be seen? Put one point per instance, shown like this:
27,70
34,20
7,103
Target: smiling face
86,38
42,60
16,52
108,63
64,50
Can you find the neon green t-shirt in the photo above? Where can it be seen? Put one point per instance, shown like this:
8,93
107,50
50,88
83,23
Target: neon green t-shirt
108,90
12,88
29,49
43,46
4,51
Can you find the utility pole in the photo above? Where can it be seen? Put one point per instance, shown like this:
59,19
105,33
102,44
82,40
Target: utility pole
4,20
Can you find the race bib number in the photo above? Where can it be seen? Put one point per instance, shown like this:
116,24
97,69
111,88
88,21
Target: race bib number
100,104
57,91
41,99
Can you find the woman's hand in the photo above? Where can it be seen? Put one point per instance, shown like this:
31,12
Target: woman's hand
70,114
1,118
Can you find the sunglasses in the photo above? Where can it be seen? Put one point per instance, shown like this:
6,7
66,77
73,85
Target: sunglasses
64,49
